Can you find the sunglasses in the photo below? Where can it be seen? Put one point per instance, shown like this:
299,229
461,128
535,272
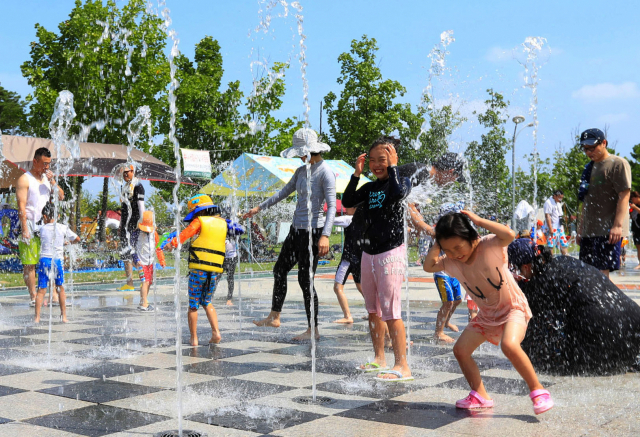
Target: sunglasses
589,148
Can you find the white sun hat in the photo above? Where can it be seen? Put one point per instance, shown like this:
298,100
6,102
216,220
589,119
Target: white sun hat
304,141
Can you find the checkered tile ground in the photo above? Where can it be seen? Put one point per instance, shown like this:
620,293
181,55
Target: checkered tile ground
112,371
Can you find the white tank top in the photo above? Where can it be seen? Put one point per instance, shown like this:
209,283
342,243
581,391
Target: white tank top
37,197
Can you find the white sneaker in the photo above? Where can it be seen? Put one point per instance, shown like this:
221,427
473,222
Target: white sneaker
32,303
146,309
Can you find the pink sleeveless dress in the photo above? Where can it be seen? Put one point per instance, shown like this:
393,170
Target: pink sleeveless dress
492,286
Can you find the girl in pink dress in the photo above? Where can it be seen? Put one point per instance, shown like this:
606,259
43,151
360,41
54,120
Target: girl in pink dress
481,266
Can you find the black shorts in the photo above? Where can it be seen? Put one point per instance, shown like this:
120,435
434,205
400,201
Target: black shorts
597,251
128,242
345,268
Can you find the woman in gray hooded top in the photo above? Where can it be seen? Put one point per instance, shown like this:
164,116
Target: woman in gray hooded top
295,249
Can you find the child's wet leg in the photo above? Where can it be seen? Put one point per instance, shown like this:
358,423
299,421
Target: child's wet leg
63,304
399,341
192,316
512,336
213,321
444,314
338,289
377,330
464,347
39,300
447,323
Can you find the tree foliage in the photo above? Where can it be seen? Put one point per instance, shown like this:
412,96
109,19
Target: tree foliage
634,163
11,111
366,108
487,163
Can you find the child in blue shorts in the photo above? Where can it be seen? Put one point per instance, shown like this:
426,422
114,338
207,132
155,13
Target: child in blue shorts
53,237
451,296
206,258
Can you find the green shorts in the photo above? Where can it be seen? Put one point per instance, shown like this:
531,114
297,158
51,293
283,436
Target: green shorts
30,253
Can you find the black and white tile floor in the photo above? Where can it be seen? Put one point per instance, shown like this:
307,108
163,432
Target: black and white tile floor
112,371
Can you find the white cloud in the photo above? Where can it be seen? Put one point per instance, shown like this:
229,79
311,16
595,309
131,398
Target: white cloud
613,118
602,91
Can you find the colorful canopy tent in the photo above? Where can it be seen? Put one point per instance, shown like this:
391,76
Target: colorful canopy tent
256,175
95,160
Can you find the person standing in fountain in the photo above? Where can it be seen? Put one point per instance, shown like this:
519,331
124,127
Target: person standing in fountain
132,197
383,261
553,216
33,192
604,189
206,257
295,248
481,265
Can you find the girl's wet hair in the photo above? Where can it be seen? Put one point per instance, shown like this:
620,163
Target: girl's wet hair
49,210
455,224
383,140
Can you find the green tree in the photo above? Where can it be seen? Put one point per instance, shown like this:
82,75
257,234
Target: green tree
634,162
566,173
524,182
164,219
487,163
11,111
366,107
431,141
260,131
112,60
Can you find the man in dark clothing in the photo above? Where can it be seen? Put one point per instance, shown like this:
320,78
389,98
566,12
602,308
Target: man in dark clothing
132,197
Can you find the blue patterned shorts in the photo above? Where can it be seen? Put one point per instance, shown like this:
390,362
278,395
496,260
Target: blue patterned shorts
202,285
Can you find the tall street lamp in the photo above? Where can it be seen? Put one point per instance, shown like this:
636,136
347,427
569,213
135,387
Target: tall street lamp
517,120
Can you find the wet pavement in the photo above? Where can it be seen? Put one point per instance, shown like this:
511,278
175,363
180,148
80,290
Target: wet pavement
112,371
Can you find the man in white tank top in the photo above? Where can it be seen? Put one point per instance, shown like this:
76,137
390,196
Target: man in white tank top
33,192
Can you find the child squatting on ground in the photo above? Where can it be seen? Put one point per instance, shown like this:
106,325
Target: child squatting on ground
148,240
53,237
206,257
481,266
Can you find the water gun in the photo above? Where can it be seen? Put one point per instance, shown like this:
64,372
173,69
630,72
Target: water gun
165,239
234,228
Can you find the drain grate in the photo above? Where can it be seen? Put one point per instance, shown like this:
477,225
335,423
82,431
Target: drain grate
308,400
176,433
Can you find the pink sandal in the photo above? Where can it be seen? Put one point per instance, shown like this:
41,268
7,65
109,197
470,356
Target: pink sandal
474,401
541,401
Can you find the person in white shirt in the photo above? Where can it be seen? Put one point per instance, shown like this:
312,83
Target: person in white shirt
146,244
552,215
33,191
53,237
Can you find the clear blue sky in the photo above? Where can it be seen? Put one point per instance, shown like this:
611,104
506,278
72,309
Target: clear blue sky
589,78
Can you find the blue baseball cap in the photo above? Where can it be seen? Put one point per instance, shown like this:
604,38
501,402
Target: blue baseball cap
591,137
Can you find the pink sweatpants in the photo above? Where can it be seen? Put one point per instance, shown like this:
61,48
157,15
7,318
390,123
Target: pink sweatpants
382,277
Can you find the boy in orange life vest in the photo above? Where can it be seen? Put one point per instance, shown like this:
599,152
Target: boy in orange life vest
206,256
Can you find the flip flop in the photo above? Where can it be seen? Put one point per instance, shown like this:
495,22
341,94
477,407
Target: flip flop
373,367
400,377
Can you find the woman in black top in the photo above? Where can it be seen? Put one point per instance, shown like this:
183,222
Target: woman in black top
383,261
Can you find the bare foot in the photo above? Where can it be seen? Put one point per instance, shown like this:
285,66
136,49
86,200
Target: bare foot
451,327
637,267
215,338
194,341
269,321
37,320
345,320
387,343
306,335
64,320
443,339
406,372
229,303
